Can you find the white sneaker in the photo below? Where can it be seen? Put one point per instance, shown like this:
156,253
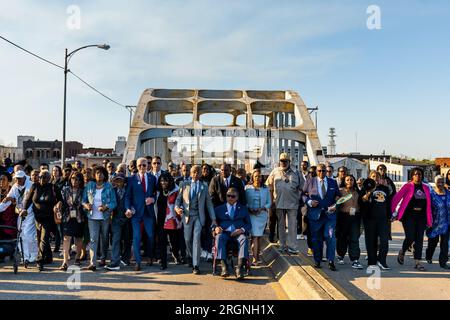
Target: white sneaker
299,237
340,260
204,254
209,257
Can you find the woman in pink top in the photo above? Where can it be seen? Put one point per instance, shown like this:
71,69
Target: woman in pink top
415,215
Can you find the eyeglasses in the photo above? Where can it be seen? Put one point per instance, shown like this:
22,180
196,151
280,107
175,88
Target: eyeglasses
232,196
156,163
329,171
141,165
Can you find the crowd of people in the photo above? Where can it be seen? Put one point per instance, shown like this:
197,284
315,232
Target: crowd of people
109,216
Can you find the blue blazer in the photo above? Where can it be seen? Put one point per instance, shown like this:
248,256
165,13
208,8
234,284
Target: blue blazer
135,197
241,218
328,201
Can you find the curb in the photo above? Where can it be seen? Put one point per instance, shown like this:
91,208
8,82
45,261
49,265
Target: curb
298,278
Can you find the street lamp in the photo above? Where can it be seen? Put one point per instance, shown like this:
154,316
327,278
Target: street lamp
66,61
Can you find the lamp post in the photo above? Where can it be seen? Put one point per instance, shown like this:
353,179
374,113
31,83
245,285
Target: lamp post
67,57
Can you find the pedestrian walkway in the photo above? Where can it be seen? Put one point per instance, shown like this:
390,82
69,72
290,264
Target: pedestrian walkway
399,283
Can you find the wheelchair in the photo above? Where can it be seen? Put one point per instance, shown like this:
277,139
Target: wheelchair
13,247
232,255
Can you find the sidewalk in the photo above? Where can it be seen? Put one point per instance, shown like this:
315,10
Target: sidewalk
301,280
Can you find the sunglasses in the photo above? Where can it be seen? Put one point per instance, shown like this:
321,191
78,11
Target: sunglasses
284,161
142,165
320,170
156,163
232,196
329,171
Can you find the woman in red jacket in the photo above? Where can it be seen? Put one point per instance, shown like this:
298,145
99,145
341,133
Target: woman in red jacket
415,215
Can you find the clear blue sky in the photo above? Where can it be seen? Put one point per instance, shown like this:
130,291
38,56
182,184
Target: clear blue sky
391,86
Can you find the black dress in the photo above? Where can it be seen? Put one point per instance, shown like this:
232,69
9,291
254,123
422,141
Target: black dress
72,226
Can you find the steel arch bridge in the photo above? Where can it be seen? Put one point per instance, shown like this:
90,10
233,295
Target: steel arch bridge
262,124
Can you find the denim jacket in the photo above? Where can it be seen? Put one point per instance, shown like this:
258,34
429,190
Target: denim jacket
108,197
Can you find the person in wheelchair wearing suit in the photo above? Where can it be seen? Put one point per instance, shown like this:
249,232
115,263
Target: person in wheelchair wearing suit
233,224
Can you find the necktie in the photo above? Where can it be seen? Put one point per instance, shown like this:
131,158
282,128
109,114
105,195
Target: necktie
194,189
324,190
143,183
226,182
232,212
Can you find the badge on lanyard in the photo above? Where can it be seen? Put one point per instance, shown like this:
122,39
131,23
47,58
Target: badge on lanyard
352,211
73,213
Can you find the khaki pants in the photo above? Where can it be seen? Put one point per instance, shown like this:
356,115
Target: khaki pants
292,227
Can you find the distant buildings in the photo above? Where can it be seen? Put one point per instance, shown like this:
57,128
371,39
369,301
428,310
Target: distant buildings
357,168
37,152
120,146
442,165
399,170
12,153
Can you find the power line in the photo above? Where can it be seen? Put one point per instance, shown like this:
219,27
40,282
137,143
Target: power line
33,54
96,90
56,65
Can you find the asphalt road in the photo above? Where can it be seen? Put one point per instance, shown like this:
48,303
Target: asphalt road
401,282
176,282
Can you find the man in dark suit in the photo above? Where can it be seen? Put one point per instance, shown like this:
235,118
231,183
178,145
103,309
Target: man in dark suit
221,183
321,194
185,175
233,224
139,200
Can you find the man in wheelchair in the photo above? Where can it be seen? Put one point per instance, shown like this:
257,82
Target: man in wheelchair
233,224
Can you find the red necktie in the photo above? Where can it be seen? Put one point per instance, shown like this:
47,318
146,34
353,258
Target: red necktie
143,183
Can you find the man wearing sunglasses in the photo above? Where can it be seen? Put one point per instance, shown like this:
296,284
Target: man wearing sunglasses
285,187
233,224
156,167
321,194
139,200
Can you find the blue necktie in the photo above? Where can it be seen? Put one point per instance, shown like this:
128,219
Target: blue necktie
232,212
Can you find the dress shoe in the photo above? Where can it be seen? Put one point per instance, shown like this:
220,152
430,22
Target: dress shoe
224,267
331,266
240,269
92,268
40,267
137,267
317,265
102,263
196,270
272,238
